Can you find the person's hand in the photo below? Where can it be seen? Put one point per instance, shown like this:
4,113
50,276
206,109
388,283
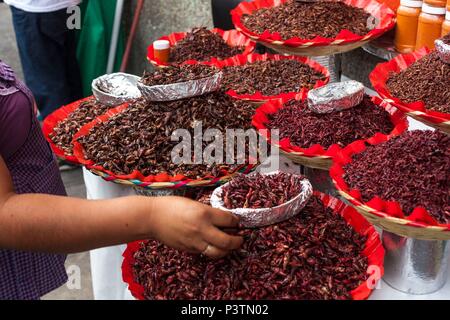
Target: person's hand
191,226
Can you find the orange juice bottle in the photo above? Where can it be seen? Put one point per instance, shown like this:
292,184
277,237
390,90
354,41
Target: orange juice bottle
436,3
430,26
407,21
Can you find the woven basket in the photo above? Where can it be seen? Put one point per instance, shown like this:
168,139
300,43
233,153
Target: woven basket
135,183
137,179
379,77
374,250
51,121
318,162
311,50
395,225
421,117
232,37
316,156
419,224
259,97
345,40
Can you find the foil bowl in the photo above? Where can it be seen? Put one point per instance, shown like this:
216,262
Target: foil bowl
336,96
443,50
116,88
254,218
181,90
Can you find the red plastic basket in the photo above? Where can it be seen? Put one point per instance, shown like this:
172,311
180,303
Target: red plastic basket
374,250
258,96
160,181
52,121
416,110
317,156
343,42
232,37
386,214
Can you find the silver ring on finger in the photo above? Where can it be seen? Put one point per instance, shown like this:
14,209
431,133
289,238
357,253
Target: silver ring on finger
207,250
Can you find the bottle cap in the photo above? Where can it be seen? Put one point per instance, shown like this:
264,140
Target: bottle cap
433,10
412,3
161,44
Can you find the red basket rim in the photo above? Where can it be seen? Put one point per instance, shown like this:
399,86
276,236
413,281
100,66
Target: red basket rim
419,217
379,10
380,75
232,37
373,250
253,57
180,180
52,120
260,118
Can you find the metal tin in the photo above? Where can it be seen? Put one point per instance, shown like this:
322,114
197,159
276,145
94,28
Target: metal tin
252,218
320,180
336,96
415,266
443,50
181,90
332,63
116,88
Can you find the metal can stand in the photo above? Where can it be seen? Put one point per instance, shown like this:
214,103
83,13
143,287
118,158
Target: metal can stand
320,180
415,266
332,63
414,269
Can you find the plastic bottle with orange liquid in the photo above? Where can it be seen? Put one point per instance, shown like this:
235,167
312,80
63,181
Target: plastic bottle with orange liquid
446,24
430,25
407,22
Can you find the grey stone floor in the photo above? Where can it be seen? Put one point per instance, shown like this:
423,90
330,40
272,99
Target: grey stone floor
8,48
73,180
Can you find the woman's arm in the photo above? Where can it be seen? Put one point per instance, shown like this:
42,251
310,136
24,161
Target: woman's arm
37,222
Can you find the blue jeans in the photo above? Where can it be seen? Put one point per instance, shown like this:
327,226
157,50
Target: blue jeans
48,54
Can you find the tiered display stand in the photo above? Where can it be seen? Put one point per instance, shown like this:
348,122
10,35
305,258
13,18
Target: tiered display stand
417,262
417,256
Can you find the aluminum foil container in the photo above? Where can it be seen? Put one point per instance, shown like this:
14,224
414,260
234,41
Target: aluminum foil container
181,90
443,50
336,96
253,218
116,88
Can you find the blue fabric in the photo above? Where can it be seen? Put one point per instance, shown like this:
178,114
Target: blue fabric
48,55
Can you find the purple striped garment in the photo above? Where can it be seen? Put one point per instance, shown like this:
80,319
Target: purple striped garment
27,275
